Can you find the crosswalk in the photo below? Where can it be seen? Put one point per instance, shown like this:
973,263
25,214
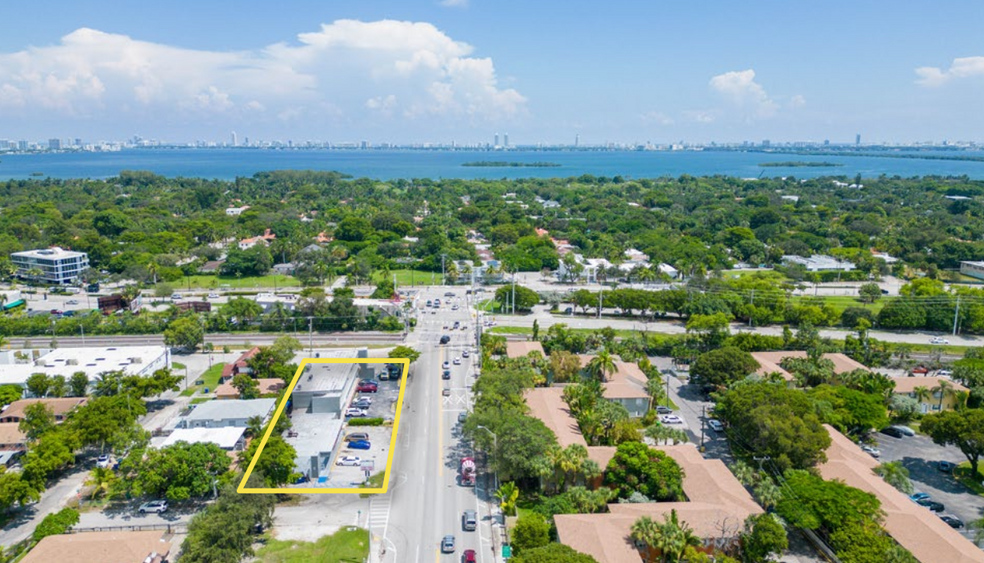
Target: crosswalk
379,514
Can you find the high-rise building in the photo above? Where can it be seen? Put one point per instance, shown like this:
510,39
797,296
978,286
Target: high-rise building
766,143
857,140
577,139
50,265
235,141
505,139
496,142
54,144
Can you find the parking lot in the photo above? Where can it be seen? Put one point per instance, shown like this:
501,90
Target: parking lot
919,455
351,476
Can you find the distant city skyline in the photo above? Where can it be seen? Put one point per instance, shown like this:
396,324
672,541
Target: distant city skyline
466,72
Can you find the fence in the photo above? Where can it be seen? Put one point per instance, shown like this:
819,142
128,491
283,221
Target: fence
169,528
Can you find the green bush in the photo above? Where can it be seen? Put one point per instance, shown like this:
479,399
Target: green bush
56,523
366,422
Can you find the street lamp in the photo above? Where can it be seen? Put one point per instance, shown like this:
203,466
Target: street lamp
495,448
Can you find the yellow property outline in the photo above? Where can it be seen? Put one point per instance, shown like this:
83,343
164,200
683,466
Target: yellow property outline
276,416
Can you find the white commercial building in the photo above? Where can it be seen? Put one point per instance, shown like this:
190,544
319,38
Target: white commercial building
17,365
228,438
818,263
55,265
972,269
218,414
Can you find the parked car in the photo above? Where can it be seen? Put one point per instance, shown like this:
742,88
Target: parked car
915,497
662,409
945,466
353,412
715,425
103,461
349,460
938,340
952,521
362,404
468,556
360,444
893,432
871,450
446,392
367,388
454,307
569,311
356,436
447,544
905,430
365,398
670,419
462,416
945,373
931,504
155,506
449,294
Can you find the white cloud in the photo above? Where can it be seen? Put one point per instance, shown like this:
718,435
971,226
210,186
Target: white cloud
454,3
703,116
797,101
965,67
346,68
739,88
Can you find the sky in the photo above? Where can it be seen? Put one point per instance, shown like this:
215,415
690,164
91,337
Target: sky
462,70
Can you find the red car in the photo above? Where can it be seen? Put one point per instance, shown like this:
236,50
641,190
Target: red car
468,556
367,388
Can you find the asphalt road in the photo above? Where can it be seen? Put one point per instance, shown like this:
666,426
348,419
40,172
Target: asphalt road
425,500
219,339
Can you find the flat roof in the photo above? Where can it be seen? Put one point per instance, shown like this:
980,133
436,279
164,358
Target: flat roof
100,547
522,348
53,253
326,378
92,361
225,437
316,433
547,404
914,527
234,408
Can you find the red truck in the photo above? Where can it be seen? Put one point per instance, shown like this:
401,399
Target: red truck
467,472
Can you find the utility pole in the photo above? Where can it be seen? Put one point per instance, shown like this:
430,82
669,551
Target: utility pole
956,316
761,460
310,336
443,279
82,330
514,292
751,305
601,300
703,411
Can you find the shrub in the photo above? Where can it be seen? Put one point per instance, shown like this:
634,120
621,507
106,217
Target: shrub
366,422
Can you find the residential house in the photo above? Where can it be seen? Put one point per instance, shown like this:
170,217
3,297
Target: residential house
769,362
267,387
14,412
101,547
263,239
914,527
547,404
633,255
236,211
284,269
11,438
972,269
626,386
217,414
241,365
522,348
936,400
322,238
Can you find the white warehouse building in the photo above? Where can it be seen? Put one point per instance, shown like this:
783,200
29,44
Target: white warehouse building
17,365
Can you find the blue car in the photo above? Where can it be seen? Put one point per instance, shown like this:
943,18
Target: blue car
918,497
360,445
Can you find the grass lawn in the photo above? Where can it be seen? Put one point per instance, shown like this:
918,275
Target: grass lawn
211,379
177,365
963,475
217,282
375,482
409,277
348,545
200,400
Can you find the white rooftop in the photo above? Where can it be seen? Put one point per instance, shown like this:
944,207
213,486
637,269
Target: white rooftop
326,378
132,360
226,437
232,409
52,253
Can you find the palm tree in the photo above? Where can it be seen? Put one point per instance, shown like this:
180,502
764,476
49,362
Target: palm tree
922,393
101,480
130,293
254,426
745,474
945,389
768,493
670,537
602,365
572,463
654,387
153,267
896,475
508,493
34,274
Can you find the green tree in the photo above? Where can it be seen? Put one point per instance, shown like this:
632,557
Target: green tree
58,387
636,467
869,292
723,366
407,352
526,298
99,420
38,420
38,384
896,475
247,386
178,472
552,553
849,410
964,429
764,537
223,532
710,331
530,532
602,365
242,310
10,393
384,289
276,461
184,333
507,494
56,523
670,538
78,384
564,366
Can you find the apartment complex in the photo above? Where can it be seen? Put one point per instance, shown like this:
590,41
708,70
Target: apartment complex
50,265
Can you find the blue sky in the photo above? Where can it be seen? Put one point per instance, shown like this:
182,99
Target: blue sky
542,71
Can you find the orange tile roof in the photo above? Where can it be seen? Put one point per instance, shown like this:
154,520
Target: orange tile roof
909,384
769,362
59,406
914,527
100,547
547,404
522,348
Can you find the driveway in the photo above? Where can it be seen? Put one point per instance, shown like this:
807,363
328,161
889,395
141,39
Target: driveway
919,455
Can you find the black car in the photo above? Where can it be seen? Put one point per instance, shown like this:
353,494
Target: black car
446,374
893,432
445,339
952,521
931,504
945,466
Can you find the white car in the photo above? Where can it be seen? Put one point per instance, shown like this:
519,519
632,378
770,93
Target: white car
670,419
872,451
103,461
457,361
350,460
446,365
944,373
213,295
715,425
175,297
356,413
72,302
938,340
464,354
